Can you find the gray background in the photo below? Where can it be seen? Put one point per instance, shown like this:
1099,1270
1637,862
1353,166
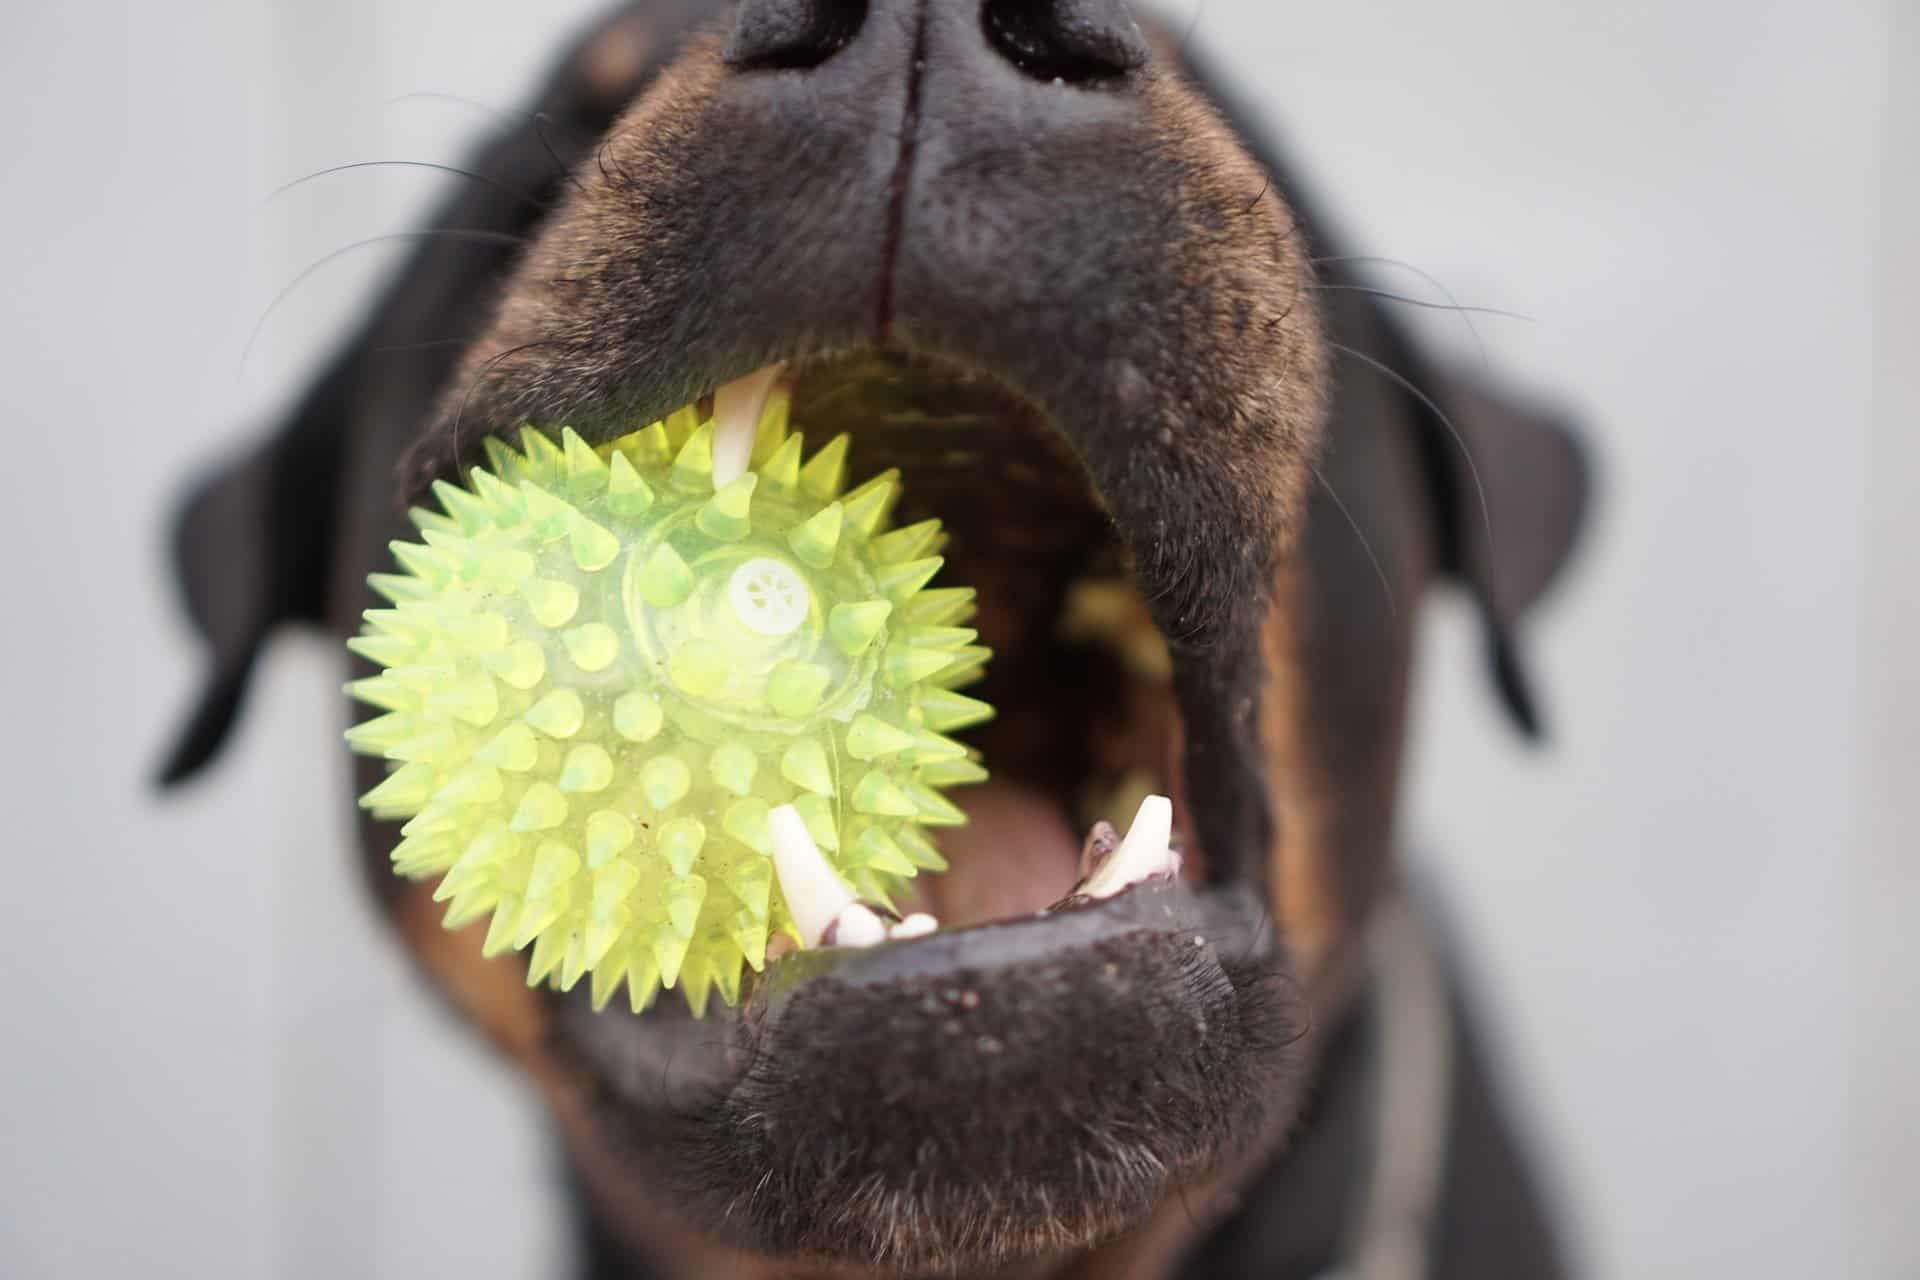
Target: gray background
1690,917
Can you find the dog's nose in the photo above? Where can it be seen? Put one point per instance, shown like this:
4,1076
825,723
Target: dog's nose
1073,41
792,33
1070,40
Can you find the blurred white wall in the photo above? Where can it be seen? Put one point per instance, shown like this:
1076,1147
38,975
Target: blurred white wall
1690,916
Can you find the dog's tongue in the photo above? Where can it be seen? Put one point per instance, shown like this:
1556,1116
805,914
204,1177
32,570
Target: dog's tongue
1015,856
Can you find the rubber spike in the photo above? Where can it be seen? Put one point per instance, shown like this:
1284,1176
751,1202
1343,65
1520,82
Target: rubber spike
593,647
545,462
944,607
558,715
471,512
628,496
594,547
781,471
588,769
818,540
637,717
553,603
952,773
794,689
728,515
586,472
502,460
944,711
854,627
664,579
398,588
913,541
869,738
881,796
805,764
542,808
867,506
693,467
900,581
825,473
680,843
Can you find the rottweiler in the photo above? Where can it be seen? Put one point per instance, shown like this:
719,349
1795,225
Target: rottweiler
1032,253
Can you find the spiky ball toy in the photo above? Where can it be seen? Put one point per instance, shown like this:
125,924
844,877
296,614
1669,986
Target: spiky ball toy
602,670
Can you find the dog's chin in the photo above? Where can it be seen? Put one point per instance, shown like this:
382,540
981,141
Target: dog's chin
1051,1064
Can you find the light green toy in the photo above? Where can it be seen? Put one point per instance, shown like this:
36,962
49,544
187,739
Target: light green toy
602,671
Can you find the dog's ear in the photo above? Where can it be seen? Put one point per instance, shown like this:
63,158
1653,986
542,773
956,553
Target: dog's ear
1510,487
255,542
252,546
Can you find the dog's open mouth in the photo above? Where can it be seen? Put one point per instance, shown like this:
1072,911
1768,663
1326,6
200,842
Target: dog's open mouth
1081,1001
1085,749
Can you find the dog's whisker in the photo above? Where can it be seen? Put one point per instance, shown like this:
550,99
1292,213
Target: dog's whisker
1379,571
540,122
1266,185
1433,407
1390,296
1374,260
624,183
470,235
455,170
497,115
479,377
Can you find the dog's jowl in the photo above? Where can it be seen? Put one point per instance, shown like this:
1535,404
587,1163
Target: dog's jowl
1025,252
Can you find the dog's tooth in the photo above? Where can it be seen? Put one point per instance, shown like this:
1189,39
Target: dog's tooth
1101,841
736,420
816,895
858,927
1143,853
917,925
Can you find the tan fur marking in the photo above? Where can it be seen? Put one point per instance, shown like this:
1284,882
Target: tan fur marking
612,64
1301,894
493,994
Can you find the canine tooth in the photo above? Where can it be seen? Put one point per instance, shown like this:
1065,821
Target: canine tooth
917,925
859,926
1143,853
736,419
1102,840
816,895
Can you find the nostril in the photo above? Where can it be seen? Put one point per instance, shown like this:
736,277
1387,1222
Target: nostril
792,34
1071,40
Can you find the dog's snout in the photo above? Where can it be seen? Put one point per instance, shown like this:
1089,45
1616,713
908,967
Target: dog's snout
1069,40
792,34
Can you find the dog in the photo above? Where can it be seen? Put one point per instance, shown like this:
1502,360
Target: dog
1201,476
